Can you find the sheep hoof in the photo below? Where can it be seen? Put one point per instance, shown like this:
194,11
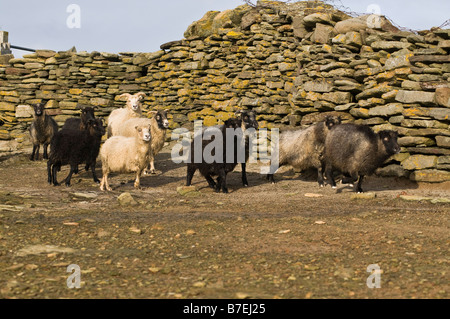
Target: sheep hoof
333,187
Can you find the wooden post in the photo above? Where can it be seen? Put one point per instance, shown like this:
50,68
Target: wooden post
5,47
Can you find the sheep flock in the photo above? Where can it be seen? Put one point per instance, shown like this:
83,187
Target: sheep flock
332,148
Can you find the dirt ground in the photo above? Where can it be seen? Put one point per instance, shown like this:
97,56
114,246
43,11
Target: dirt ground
289,240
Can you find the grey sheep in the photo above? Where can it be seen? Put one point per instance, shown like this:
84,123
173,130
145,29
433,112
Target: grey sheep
41,131
357,151
303,149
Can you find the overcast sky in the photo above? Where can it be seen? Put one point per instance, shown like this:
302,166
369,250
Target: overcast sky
143,25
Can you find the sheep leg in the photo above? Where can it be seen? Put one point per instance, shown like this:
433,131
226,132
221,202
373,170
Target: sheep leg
54,172
137,182
150,167
69,177
244,174
34,152
94,175
45,150
190,173
222,182
329,175
210,181
272,170
49,172
104,183
359,183
320,176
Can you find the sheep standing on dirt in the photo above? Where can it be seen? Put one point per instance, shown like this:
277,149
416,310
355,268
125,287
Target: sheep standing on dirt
159,125
303,149
41,130
233,129
132,109
122,154
74,147
81,123
357,151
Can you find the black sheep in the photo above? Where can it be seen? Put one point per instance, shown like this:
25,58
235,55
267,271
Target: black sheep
222,164
87,113
74,147
357,151
41,130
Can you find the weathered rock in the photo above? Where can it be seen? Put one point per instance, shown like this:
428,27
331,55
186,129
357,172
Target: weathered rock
419,162
415,141
322,34
318,86
430,176
126,199
386,110
409,97
443,96
183,190
443,141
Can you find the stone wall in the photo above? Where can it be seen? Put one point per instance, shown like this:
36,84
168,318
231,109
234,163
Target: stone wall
292,63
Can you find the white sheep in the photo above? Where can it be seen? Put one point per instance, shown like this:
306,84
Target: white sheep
123,154
159,125
132,109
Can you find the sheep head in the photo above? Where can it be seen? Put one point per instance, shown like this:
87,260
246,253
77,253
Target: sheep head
133,101
248,119
161,118
39,109
144,132
389,139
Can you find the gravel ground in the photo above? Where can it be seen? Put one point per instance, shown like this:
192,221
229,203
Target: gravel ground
290,240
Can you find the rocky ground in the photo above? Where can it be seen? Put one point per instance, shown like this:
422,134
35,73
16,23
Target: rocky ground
288,240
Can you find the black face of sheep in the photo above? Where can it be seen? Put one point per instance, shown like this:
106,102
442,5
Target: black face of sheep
87,114
357,151
39,109
332,121
248,119
161,119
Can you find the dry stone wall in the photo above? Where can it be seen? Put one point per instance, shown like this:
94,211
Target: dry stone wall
292,63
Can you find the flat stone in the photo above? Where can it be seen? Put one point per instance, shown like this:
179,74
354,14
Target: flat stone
363,196
43,249
443,141
419,162
390,45
404,96
443,96
415,141
430,176
318,86
386,110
